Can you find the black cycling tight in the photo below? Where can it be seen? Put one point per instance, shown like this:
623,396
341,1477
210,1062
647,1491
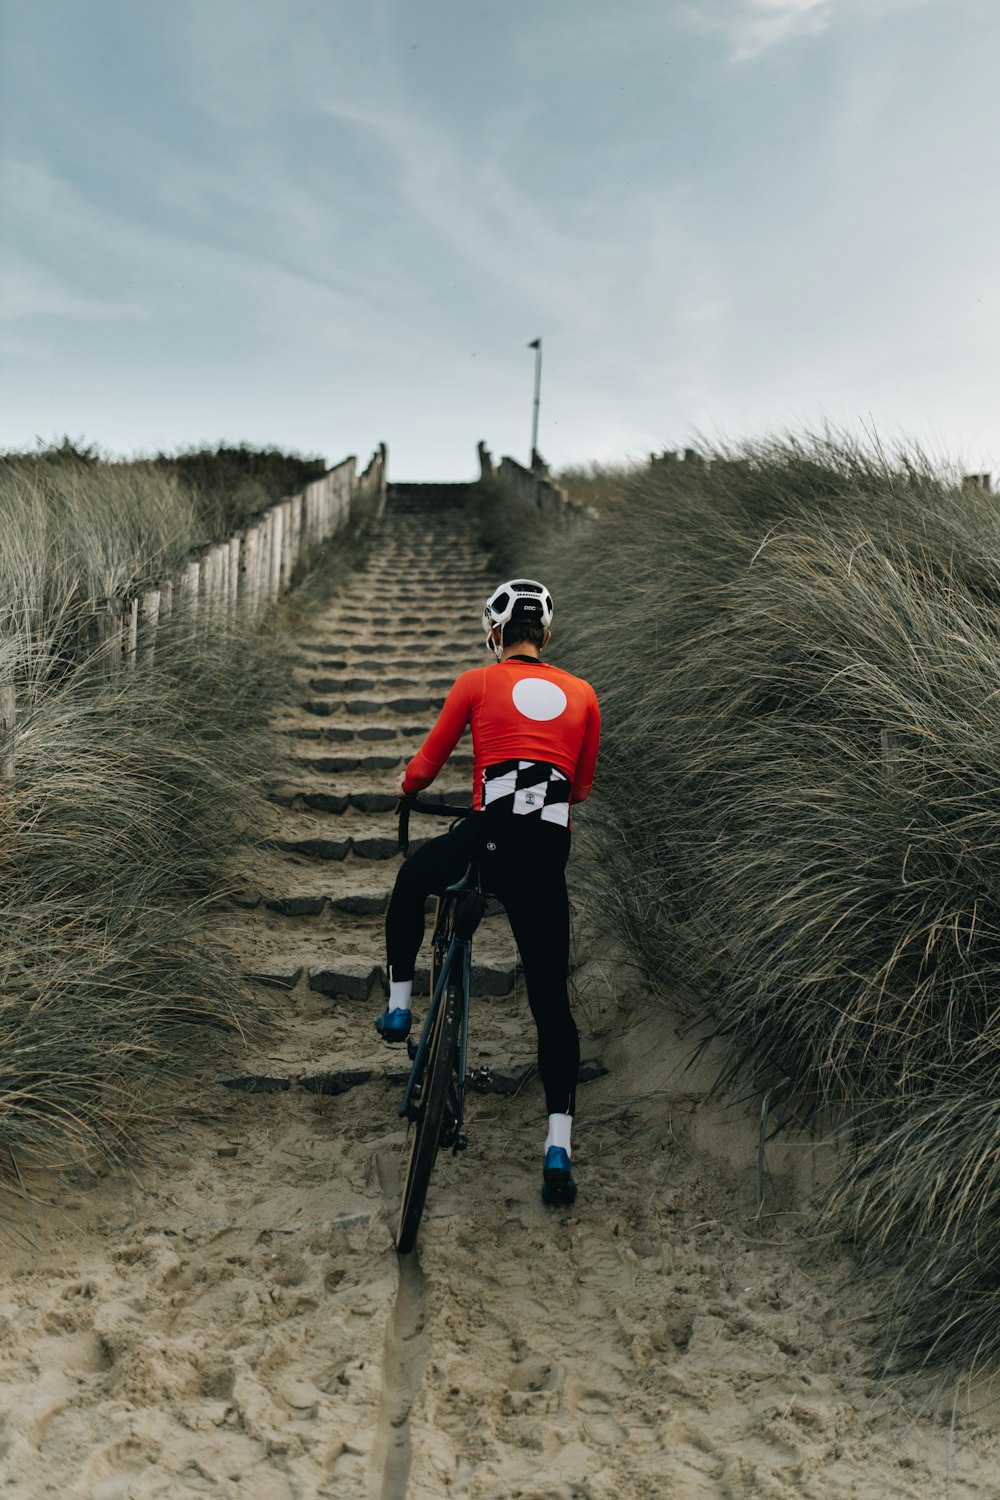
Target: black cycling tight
523,862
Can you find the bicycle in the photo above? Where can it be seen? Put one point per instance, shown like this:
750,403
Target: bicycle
434,1096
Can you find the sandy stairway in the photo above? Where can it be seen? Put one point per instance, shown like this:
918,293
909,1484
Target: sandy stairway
309,920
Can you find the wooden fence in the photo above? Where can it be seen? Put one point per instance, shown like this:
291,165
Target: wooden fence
225,582
547,497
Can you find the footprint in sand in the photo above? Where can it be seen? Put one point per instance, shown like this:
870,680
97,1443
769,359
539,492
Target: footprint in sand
597,1421
533,1374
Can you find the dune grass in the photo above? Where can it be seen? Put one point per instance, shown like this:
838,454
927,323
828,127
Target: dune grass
144,513
797,651
130,793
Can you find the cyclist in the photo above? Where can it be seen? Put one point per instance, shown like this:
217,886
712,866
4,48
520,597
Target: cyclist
535,734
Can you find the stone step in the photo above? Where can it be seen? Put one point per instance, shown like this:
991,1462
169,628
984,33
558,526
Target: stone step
326,847
369,707
349,621
387,600
392,633
378,669
336,734
411,684
348,979
331,1081
347,909
352,982
380,648
425,572
334,765
304,799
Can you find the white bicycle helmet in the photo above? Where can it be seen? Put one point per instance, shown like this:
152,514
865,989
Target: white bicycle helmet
522,599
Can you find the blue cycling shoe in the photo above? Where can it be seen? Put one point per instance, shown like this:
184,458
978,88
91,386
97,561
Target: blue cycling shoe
394,1025
558,1187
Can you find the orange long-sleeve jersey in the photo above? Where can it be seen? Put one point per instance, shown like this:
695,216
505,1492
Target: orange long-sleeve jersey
523,712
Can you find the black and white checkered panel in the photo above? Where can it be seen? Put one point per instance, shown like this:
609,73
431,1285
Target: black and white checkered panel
529,788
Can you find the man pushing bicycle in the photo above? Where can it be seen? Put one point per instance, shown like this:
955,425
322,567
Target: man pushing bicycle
535,736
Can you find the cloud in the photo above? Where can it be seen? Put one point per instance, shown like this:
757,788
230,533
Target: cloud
756,25
751,27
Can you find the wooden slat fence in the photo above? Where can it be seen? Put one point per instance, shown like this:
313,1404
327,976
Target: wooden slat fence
547,497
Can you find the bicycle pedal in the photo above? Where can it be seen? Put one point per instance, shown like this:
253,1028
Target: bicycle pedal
479,1079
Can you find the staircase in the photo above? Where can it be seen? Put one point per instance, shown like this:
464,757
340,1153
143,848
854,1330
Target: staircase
374,670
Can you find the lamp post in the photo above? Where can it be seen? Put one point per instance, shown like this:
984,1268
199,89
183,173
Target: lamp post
535,344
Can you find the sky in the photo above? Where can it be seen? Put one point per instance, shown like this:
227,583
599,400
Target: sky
322,224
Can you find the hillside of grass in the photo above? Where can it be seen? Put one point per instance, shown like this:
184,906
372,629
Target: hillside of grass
129,794
797,650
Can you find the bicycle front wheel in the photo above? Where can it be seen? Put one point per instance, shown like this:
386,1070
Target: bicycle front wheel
433,1110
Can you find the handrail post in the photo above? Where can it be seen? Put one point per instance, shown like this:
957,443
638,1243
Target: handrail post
8,718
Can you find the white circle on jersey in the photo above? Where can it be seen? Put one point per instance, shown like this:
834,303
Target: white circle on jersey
536,698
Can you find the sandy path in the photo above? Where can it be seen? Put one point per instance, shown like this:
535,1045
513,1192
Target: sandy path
235,1322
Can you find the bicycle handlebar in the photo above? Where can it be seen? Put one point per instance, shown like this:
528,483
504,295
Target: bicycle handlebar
406,805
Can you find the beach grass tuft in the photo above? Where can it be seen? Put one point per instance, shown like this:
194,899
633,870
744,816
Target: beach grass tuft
796,645
124,797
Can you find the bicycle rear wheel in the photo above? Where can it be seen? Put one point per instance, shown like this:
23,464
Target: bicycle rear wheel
432,1112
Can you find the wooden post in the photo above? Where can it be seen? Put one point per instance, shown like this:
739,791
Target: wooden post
221,554
305,537
350,491
296,512
219,567
8,717
249,568
220,588
339,497
277,536
205,591
166,600
131,636
220,558
285,511
189,581
336,500
103,634
149,620
266,547
235,551
311,515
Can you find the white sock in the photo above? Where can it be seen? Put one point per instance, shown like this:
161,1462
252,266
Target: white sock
400,991
560,1127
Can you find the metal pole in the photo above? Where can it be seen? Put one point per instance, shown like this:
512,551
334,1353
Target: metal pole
535,344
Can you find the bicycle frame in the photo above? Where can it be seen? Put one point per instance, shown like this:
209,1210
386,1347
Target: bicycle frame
434,1097
459,951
